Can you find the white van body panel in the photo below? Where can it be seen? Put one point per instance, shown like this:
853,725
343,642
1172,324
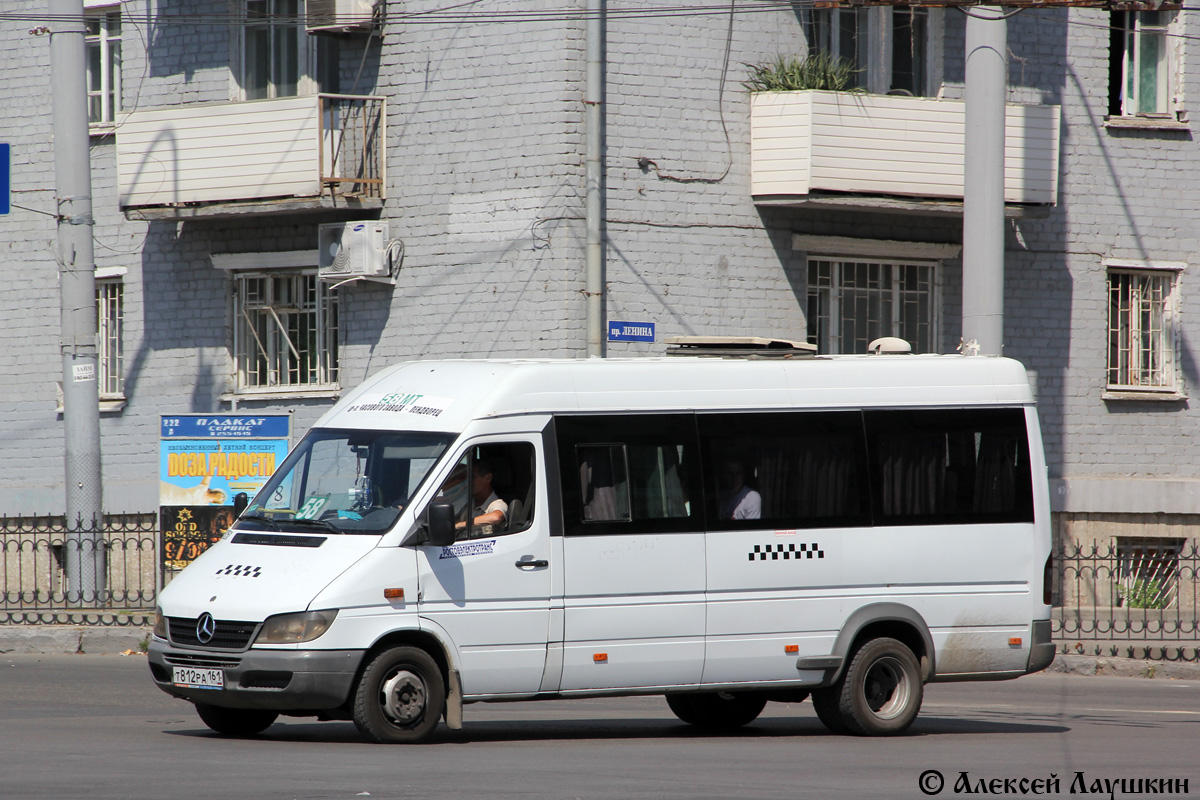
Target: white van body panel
639,603
252,582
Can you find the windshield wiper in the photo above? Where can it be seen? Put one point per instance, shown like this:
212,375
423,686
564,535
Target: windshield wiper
316,523
270,523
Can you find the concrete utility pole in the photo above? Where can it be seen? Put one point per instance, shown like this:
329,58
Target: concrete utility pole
593,102
983,182
84,551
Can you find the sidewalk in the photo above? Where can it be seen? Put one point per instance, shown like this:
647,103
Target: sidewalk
34,639
92,639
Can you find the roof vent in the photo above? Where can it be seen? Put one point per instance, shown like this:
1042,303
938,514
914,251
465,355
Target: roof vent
889,346
738,347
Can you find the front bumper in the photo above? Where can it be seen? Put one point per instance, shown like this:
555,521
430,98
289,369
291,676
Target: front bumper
279,680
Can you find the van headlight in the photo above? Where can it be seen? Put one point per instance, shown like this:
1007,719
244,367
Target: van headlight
292,628
160,624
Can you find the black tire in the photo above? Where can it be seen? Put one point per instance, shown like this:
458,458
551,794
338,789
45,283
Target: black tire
717,711
825,701
881,691
681,706
400,697
236,721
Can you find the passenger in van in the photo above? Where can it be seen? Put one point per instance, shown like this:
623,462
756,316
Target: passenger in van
489,512
736,500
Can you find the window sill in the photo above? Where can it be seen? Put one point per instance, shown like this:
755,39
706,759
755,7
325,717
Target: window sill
280,394
101,129
1145,124
1147,397
108,405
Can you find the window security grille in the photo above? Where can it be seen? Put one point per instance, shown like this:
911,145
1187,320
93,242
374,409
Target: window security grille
1148,572
110,319
1141,353
851,303
286,332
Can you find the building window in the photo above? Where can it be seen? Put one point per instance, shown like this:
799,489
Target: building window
286,332
853,302
110,322
274,50
1148,572
1140,64
1141,324
103,54
889,47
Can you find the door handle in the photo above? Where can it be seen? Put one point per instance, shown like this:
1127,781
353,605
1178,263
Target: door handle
539,563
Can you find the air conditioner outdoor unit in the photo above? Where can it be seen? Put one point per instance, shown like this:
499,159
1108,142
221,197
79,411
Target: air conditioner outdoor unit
340,16
354,250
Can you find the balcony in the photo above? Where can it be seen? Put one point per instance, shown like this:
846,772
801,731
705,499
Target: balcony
290,155
889,153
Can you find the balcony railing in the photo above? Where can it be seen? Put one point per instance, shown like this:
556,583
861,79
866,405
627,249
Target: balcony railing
859,144
316,147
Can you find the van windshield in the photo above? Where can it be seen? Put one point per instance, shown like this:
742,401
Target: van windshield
345,481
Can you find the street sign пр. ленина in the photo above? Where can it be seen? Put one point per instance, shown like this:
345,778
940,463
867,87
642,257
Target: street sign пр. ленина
5,176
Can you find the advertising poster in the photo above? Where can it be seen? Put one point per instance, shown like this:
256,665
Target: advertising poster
205,461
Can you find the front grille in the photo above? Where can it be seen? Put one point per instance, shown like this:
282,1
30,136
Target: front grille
201,661
229,634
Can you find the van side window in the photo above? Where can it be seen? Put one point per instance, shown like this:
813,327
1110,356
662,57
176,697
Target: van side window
492,478
784,470
949,466
627,474
603,482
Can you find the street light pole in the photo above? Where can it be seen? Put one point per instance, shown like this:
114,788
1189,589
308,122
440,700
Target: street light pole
983,182
85,554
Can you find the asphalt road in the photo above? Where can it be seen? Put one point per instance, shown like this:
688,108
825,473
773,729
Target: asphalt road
96,727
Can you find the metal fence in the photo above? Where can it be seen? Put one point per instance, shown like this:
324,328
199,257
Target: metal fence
1129,597
99,573
1132,597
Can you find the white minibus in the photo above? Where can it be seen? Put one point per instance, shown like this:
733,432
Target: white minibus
724,532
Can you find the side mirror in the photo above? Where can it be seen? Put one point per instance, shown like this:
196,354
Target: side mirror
441,524
240,501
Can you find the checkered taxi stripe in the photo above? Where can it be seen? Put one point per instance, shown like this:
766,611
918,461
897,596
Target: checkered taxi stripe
240,571
787,552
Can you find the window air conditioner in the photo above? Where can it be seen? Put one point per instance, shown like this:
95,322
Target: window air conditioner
340,16
354,250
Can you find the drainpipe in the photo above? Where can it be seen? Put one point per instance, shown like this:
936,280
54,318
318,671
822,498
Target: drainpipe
983,182
592,99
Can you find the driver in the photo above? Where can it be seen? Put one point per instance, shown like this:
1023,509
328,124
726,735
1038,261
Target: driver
488,509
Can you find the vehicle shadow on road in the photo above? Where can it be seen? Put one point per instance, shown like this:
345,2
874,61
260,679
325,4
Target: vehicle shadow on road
527,730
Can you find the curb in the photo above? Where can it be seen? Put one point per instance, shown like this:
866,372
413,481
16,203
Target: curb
74,639
1123,667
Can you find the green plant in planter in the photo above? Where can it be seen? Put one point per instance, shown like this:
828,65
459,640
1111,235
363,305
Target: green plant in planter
791,73
1144,593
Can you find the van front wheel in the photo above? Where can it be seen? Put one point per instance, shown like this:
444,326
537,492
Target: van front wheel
235,721
400,697
717,710
880,693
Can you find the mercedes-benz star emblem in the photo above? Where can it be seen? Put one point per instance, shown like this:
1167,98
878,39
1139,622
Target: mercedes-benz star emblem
206,626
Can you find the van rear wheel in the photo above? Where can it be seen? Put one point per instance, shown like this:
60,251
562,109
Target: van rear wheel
717,710
879,694
400,697
235,721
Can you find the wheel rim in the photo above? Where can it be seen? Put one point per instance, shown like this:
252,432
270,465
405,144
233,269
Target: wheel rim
887,688
402,698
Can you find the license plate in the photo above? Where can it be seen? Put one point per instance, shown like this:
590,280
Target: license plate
198,678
